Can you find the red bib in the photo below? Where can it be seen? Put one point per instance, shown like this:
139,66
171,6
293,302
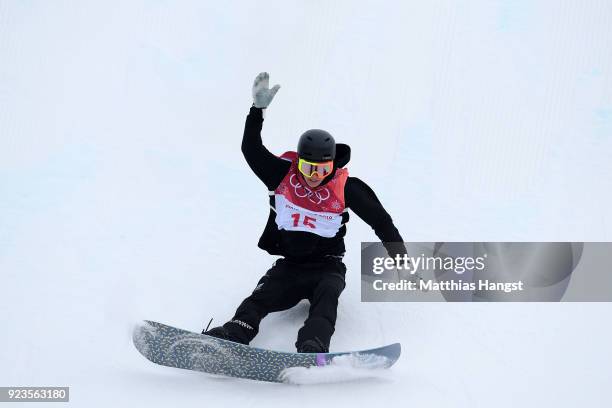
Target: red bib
301,208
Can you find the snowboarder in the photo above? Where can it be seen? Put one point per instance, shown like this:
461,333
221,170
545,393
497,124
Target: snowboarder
310,192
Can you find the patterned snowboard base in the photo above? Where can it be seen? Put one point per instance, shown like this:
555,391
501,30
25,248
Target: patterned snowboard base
172,347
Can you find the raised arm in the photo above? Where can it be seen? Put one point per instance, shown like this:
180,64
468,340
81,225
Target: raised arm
361,199
269,168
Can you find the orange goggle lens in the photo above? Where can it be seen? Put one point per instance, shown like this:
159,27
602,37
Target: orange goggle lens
310,168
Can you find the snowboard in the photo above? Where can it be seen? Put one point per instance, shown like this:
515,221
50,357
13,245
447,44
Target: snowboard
173,347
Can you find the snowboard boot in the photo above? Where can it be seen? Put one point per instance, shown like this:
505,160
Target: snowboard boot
312,346
219,332
231,331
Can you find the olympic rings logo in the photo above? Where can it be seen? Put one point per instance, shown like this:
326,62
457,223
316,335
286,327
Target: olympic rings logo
301,191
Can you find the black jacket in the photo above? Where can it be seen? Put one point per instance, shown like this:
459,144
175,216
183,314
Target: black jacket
358,196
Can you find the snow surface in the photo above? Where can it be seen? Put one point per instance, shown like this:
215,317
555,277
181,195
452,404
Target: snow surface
124,195
349,367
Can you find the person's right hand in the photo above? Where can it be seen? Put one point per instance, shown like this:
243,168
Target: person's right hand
262,94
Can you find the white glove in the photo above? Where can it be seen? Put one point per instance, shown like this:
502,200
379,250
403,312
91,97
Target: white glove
262,94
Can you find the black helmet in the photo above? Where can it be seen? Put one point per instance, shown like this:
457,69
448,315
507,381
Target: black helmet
317,145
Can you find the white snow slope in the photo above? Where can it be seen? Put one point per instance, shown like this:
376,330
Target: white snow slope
124,194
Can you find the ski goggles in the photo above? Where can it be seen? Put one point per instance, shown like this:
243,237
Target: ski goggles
322,169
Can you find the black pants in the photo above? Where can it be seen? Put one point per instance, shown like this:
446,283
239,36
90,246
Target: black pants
282,287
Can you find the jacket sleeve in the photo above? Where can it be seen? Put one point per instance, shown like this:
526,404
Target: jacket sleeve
360,198
269,168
